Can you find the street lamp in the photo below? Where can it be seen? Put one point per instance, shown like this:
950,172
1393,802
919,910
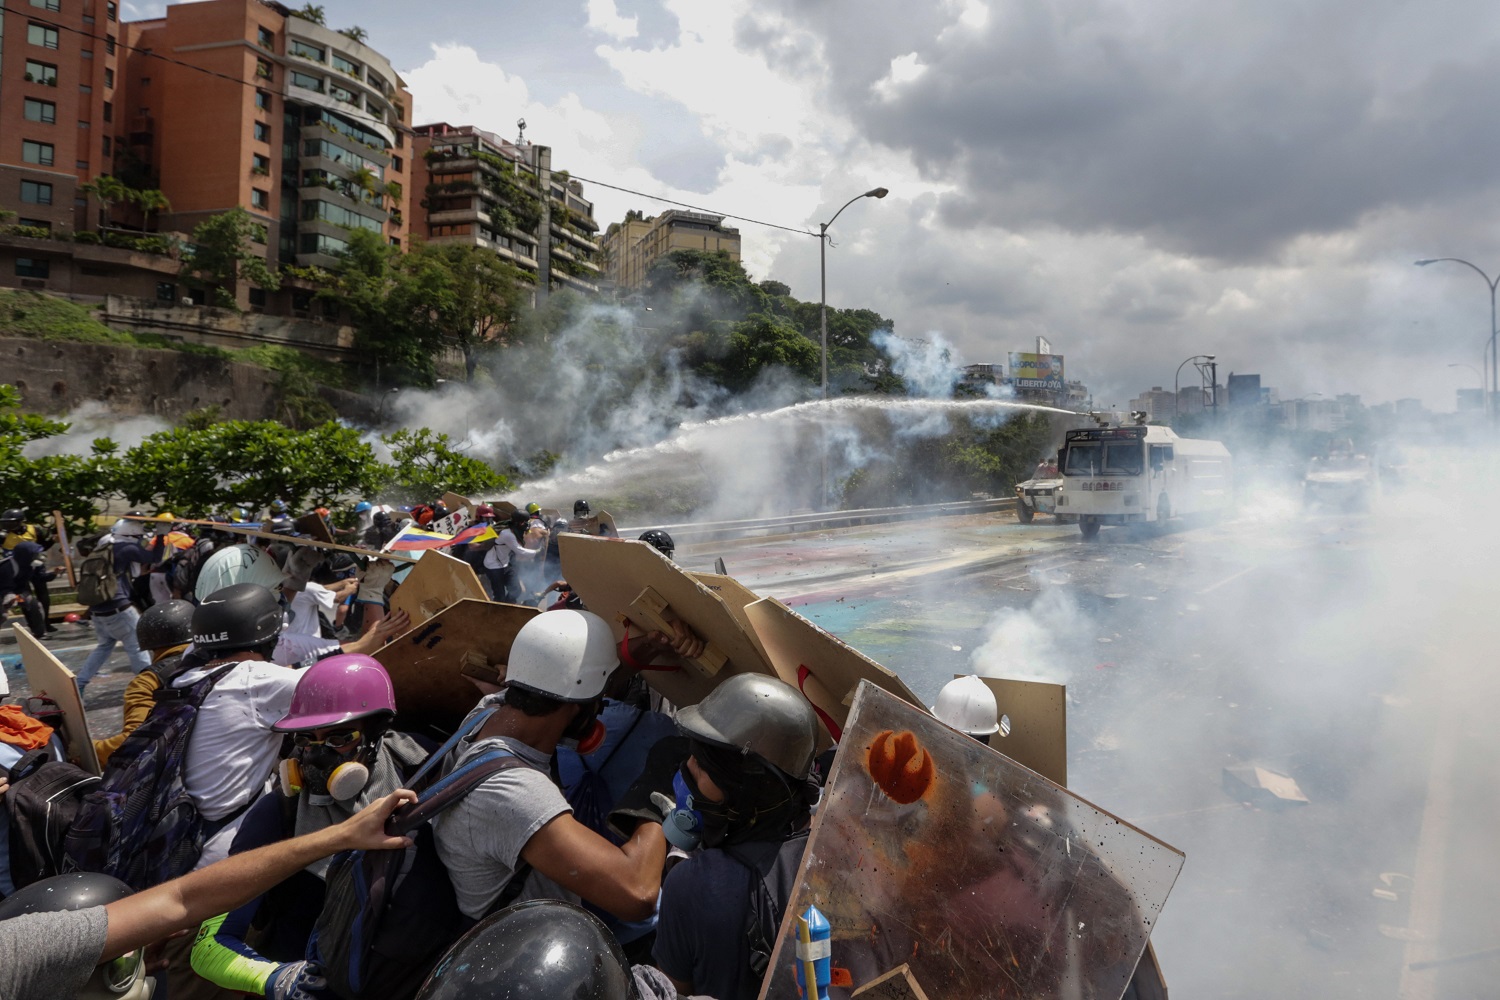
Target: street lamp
1199,360
385,397
1493,410
823,271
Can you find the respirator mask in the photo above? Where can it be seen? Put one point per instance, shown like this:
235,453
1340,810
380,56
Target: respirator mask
324,770
585,733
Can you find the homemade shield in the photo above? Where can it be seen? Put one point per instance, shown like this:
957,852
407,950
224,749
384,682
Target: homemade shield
982,878
431,665
618,579
47,677
1033,725
435,583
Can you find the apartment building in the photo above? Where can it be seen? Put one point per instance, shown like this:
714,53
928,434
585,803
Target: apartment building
60,74
473,187
632,246
1158,404
306,128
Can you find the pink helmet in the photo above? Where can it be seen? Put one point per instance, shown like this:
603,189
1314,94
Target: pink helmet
336,690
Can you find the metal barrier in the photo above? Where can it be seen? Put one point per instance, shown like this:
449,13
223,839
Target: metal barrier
790,524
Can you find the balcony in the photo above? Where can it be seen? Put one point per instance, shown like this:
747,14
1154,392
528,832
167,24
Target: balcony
458,216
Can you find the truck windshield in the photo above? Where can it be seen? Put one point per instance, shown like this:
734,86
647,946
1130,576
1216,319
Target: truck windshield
1124,459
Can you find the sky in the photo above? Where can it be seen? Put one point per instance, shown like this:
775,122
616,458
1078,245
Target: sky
1137,182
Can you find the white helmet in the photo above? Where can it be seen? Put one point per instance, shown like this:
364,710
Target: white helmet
128,529
968,705
563,654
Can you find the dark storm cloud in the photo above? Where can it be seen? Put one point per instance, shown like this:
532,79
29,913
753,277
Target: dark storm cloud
1221,130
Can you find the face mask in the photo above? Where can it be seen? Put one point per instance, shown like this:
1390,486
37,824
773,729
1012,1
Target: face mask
713,817
324,773
585,733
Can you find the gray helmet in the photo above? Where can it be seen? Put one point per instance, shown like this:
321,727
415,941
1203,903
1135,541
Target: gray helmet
122,978
240,616
753,713
165,625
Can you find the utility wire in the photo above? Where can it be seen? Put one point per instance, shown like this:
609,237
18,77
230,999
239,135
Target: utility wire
31,14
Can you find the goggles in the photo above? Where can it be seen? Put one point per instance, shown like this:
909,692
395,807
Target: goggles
335,740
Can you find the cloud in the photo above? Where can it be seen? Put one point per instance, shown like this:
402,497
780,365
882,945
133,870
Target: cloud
605,18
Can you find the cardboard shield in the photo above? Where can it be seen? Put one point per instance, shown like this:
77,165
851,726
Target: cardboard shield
825,668
438,581
984,880
47,677
430,665
736,597
1033,725
620,580
455,502
314,526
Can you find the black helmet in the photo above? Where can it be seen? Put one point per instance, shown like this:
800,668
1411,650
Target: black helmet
164,625
242,616
659,540
539,948
13,519
122,978
580,508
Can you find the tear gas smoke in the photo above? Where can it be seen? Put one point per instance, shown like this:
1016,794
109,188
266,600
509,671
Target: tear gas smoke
91,420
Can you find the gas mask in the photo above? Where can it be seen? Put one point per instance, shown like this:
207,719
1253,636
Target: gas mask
694,821
325,774
585,733
122,978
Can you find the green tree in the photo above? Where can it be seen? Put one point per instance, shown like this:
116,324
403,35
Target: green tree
762,342
425,465
69,483
310,12
248,463
110,191
481,301
356,33
151,202
226,250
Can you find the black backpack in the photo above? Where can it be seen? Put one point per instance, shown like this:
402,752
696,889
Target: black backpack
388,916
186,566
773,870
97,580
140,824
44,797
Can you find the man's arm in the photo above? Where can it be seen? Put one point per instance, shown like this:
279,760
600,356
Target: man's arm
623,880
148,916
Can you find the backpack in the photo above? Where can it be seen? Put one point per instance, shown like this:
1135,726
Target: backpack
591,797
388,916
773,870
44,797
140,825
97,581
186,566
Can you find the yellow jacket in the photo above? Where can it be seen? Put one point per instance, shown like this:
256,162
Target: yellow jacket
140,697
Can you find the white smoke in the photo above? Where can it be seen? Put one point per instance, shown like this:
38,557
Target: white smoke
92,420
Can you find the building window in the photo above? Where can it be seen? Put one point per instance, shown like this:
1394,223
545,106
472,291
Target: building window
112,10
87,53
107,146
109,111
41,111
304,51
88,19
260,164
39,153
109,45
340,94
345,65
47,4
36,193
166,292
109,78
267,39
262,100
396,164
80,164
258,297
82,123
41,73
84,88
262,69
40,34
262,132
36,223
32,267
307,82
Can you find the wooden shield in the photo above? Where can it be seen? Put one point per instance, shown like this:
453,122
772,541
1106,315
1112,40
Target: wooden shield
619,580
437,581
1038,718
453,502
430,665
825,668
313,524
46,676
737,597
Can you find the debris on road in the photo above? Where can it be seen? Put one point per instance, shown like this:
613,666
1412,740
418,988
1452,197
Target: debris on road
1261,786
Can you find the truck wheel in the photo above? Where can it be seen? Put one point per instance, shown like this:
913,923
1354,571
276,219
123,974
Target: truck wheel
1089,529
1024,514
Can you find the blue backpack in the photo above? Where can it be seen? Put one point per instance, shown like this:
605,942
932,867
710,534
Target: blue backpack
140,825
388,916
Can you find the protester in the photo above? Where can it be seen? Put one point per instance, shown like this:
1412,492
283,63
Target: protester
500,563
16,532
659,540
248,561
65,934
164,632
20,566
105,576
344,757
968,705
752,744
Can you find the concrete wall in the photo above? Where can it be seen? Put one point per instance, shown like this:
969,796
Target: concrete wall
55,378
223,328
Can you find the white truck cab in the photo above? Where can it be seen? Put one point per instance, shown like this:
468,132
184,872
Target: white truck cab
1123,475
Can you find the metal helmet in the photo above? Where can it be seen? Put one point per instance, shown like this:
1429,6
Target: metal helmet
122,978
659,540
564,654
13,519
241,616
968,705
336,690
581,508
756,714
165,625
128,529
539,948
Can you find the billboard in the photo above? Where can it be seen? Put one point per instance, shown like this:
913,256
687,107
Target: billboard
1037,371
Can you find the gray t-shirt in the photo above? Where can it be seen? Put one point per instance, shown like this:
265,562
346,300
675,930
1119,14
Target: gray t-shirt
480,837
50,956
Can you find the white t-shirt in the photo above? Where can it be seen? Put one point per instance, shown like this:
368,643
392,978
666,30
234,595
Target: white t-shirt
506,548
302,613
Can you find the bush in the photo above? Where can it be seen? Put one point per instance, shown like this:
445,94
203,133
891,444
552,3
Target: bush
87,237
30,232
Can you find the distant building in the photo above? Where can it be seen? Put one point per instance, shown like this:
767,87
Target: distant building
1157,403
632,246
982,374
1244,392
1471,401
477,188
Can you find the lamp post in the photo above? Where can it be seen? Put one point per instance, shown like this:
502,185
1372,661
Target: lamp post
385,397
1199,360
823,273
1490,408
